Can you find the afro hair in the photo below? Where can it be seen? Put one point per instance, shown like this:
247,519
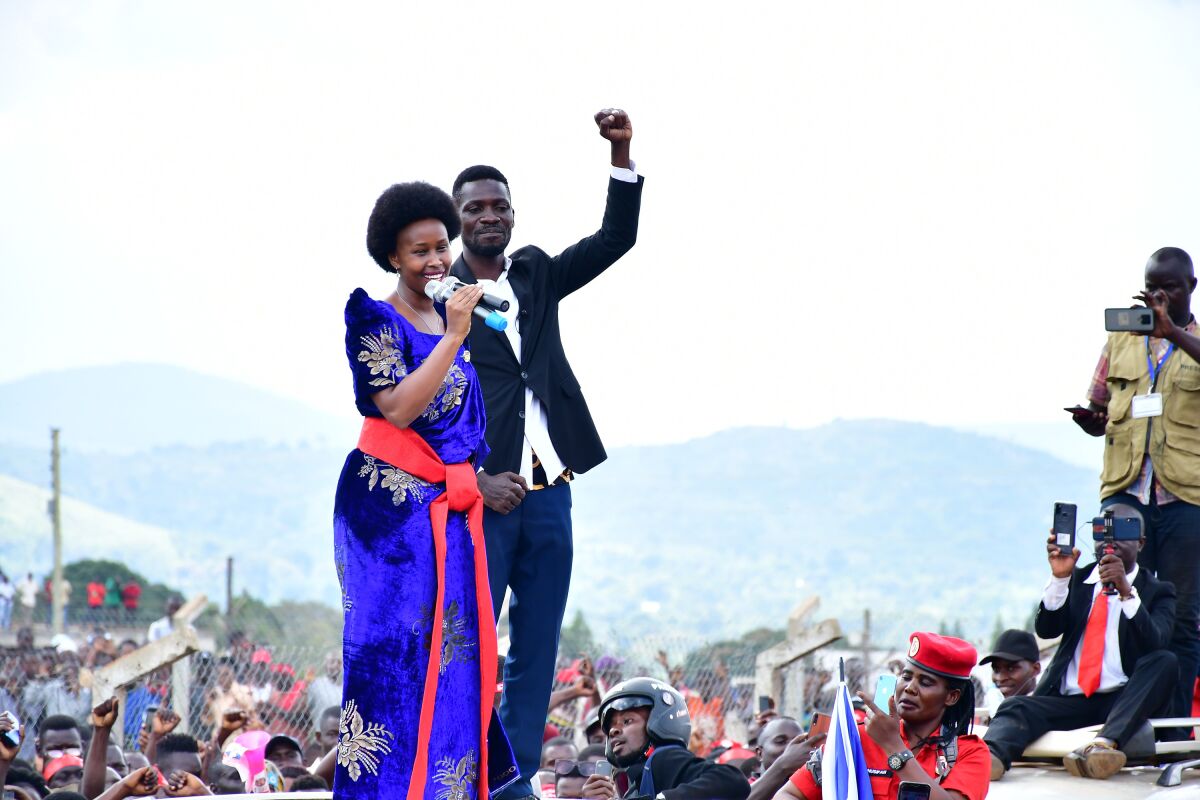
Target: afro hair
401,205
479,172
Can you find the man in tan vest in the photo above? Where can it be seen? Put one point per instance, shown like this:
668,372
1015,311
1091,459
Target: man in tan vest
1145,400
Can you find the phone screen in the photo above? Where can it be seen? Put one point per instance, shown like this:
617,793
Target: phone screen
910,790
885,688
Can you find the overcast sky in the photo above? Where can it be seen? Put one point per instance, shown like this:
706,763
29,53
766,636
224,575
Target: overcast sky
911,210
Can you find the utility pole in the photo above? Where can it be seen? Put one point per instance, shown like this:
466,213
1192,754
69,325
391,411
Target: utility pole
56,582
229,586
866,643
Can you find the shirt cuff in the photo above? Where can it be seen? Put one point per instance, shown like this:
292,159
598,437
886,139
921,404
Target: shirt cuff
1130,607
625,175
1055,594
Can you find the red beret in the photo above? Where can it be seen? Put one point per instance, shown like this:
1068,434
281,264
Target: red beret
942,655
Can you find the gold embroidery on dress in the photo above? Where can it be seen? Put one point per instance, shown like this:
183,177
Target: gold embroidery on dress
360,746
396,481
455,641
449,395
457,779
383,357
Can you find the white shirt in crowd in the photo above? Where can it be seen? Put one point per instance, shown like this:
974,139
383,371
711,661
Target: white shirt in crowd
537,426
158,629
7,590
28,591
1112,674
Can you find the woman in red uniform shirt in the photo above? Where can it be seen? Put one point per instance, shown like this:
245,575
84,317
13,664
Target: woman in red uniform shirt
924,736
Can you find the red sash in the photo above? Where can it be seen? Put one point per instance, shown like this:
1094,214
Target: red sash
405,449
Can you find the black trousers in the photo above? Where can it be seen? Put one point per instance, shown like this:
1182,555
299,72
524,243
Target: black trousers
1149,692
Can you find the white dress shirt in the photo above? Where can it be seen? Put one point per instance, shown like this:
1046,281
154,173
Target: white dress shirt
537,425
1112,674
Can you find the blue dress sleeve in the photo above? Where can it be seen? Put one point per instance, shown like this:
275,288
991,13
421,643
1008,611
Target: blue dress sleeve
377,347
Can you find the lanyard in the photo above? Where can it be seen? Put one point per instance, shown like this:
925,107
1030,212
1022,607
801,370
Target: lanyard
1155,369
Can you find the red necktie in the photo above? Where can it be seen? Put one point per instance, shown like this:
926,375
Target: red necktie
1092,657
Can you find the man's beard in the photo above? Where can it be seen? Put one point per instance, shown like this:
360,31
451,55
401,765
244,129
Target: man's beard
488,250
625,762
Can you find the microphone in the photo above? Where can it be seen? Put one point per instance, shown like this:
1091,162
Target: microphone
441,291
489,300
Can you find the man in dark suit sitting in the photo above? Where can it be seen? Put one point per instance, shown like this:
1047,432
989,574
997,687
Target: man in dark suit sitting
538,426
1112,666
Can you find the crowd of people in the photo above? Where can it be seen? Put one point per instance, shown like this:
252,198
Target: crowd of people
111,601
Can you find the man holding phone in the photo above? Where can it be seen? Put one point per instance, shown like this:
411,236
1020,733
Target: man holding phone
1145,400
1112,667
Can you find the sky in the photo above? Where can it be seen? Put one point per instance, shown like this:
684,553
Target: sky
855,209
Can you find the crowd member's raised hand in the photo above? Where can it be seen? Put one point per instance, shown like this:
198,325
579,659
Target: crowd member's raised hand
142,782
233,720
185,784
7,751
105,715
165,721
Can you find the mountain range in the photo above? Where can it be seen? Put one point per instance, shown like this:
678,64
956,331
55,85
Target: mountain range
921,524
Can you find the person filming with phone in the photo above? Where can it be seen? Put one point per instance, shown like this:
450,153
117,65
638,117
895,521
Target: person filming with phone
647,728
1144,399
922,734
1112,667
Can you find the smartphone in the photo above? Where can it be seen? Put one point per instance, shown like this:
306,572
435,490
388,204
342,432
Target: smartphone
1137,320
148,717
820,724
764,703
604,768
1064,527
910,790
13,737
885,689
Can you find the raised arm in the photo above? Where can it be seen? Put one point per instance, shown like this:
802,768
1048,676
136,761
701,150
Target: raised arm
583,261
104,716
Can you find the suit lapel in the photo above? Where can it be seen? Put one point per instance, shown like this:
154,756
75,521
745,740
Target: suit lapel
530,318
463,272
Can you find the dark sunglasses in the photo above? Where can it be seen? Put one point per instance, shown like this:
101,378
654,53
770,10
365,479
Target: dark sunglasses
566,767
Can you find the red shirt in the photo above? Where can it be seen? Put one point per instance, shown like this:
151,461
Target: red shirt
95,594
969,775
130,594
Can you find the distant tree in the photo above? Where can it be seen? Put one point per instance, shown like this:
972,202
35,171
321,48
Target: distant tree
576,638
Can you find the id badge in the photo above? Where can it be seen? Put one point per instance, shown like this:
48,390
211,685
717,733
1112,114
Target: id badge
1147,405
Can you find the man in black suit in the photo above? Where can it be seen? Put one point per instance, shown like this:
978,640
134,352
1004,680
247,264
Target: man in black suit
1112,666
538,426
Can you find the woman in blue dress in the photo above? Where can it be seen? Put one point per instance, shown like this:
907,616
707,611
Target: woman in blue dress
417,719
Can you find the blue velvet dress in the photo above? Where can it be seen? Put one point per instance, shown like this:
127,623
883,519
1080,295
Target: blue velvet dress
385,560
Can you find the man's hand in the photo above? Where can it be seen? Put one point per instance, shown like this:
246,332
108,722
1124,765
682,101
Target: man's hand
1093,421
7,751
599,787
1112,570
1061,566
185,784
232,721
615,126
502,493
105,714
164,722
1156,301
141,782
796,754
884,727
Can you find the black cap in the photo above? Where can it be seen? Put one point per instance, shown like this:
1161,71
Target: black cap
283,738
1014,645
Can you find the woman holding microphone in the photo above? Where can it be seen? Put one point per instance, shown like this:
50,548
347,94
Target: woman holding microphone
419,646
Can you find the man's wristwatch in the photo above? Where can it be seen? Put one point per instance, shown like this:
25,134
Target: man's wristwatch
896,761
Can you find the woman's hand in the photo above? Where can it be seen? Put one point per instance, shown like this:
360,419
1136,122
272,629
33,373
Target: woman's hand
459,308
884,727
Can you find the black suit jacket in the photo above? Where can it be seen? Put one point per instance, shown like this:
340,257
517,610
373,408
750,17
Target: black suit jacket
539,283
1148,630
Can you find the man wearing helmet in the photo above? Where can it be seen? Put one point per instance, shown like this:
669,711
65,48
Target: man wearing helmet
647,728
